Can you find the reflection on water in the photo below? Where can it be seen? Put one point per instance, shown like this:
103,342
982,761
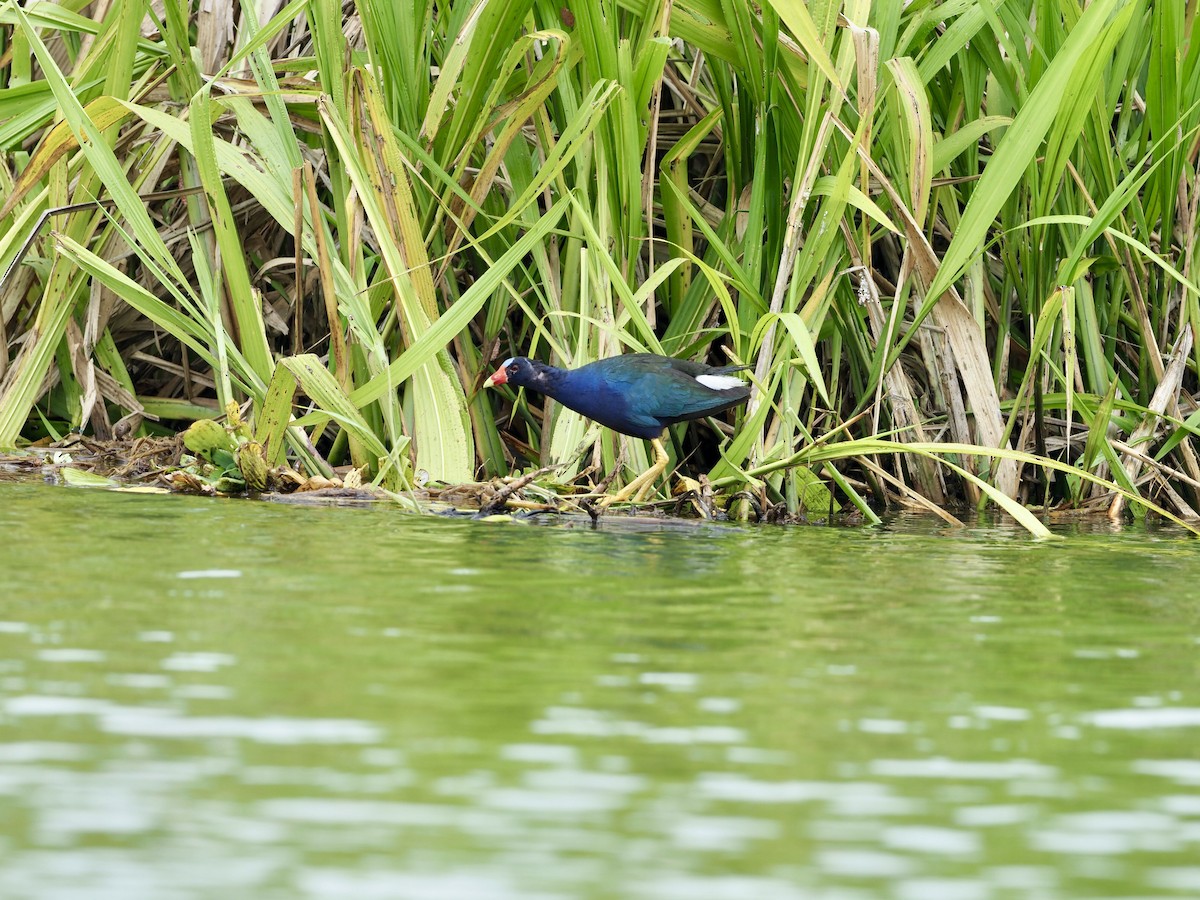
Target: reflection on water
205,698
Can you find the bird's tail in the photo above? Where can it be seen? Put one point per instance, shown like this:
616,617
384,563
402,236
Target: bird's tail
727,370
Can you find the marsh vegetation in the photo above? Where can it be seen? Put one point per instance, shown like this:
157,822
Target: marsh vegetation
954,242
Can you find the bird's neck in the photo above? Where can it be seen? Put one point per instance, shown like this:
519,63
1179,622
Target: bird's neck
551,380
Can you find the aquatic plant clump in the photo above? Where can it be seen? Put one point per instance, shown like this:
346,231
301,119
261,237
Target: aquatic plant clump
953,246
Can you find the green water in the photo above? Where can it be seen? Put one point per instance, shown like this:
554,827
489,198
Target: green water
225,699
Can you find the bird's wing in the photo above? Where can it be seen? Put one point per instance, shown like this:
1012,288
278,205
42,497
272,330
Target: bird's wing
675,394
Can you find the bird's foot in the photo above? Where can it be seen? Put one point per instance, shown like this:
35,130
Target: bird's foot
634,491
640,486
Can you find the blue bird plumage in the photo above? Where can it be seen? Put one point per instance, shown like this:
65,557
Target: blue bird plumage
638,394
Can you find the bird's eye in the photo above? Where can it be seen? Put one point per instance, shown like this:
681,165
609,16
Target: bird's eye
512,370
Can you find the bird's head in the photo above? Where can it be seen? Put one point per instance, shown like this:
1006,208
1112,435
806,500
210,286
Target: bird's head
517,371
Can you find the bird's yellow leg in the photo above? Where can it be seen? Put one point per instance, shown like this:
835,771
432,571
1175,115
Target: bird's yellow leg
638,488
652,474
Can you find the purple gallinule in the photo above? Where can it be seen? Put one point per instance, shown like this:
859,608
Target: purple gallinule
638,394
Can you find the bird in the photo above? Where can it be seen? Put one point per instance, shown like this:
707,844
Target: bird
638,394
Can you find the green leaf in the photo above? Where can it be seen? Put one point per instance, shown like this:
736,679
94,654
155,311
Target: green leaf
79,478
1019,147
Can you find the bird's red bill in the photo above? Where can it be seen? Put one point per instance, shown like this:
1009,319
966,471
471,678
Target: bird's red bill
500,376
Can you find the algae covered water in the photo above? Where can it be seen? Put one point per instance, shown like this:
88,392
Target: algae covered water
225,699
